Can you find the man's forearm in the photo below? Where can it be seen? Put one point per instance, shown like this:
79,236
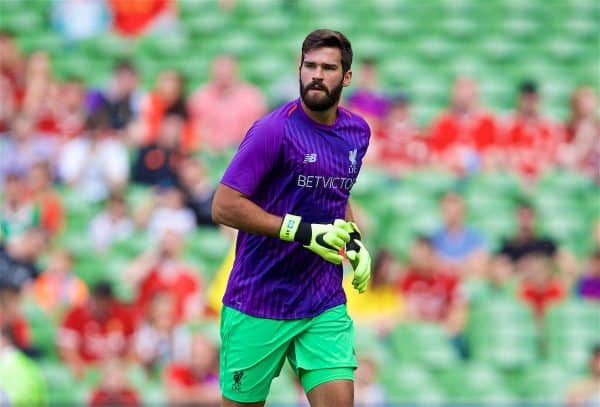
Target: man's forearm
349,215
230,208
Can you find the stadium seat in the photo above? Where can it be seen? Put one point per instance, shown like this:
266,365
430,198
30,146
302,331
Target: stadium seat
475,383
43,329
48,41
63,389
543,383
423,343
409,383
571,329
501,332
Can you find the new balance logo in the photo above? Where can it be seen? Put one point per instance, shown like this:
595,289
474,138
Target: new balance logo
310,158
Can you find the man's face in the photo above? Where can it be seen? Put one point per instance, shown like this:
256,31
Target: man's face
453,210
526,219
595,364
529,103
464,93
322,78
224,71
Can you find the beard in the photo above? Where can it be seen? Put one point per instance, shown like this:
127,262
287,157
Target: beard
324,101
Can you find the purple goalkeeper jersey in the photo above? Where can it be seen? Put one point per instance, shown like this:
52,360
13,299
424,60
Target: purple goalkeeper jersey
288,163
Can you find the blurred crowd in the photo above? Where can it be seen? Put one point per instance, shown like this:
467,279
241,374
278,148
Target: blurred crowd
61,135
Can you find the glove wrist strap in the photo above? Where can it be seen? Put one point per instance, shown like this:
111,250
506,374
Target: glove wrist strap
354,235
294,230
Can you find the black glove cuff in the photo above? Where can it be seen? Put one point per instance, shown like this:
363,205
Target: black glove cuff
352,245
303,234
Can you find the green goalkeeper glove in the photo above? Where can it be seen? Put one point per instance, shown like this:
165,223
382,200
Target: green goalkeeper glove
359,257
326,240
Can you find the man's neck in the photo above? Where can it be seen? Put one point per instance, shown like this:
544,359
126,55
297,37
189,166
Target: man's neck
326,117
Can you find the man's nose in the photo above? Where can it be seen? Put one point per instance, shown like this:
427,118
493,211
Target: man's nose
318,73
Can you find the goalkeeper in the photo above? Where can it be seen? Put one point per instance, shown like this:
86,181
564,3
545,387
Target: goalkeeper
286,190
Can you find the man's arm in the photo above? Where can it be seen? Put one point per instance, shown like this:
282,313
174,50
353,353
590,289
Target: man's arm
349,213
232,208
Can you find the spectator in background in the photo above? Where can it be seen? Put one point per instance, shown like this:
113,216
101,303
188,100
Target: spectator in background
23,147
397,144
40,93
12,319
96,163
526,241
380,306
465,131
99,329
154,339
156,163
539,288
585,392
46,198
18,258
11,79
458,245
162,270
367,390
9,105
58,288
92,19
166,99
195,380
198,190
114,389
224,109
581,150
21,381
367,100
531,140
123,96
133,19
111,225
588,286
18,213
69,114
431,293
167,213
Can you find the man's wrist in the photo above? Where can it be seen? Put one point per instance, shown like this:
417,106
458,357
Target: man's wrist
294,230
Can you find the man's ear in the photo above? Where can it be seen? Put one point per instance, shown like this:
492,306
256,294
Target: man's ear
347,78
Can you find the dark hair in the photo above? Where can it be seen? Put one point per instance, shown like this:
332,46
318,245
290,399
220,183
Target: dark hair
4,33
424,240
125,65
329,38
528,87
525,203
99,120
102,289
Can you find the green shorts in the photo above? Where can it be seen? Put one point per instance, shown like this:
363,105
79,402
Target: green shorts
253,350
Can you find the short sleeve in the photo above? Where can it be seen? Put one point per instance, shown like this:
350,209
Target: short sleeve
257,155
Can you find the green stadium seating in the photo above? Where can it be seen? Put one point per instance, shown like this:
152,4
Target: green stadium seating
501,332
572,328
423,343
543,383
475,383
47,41
43,329
409,383
63,389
